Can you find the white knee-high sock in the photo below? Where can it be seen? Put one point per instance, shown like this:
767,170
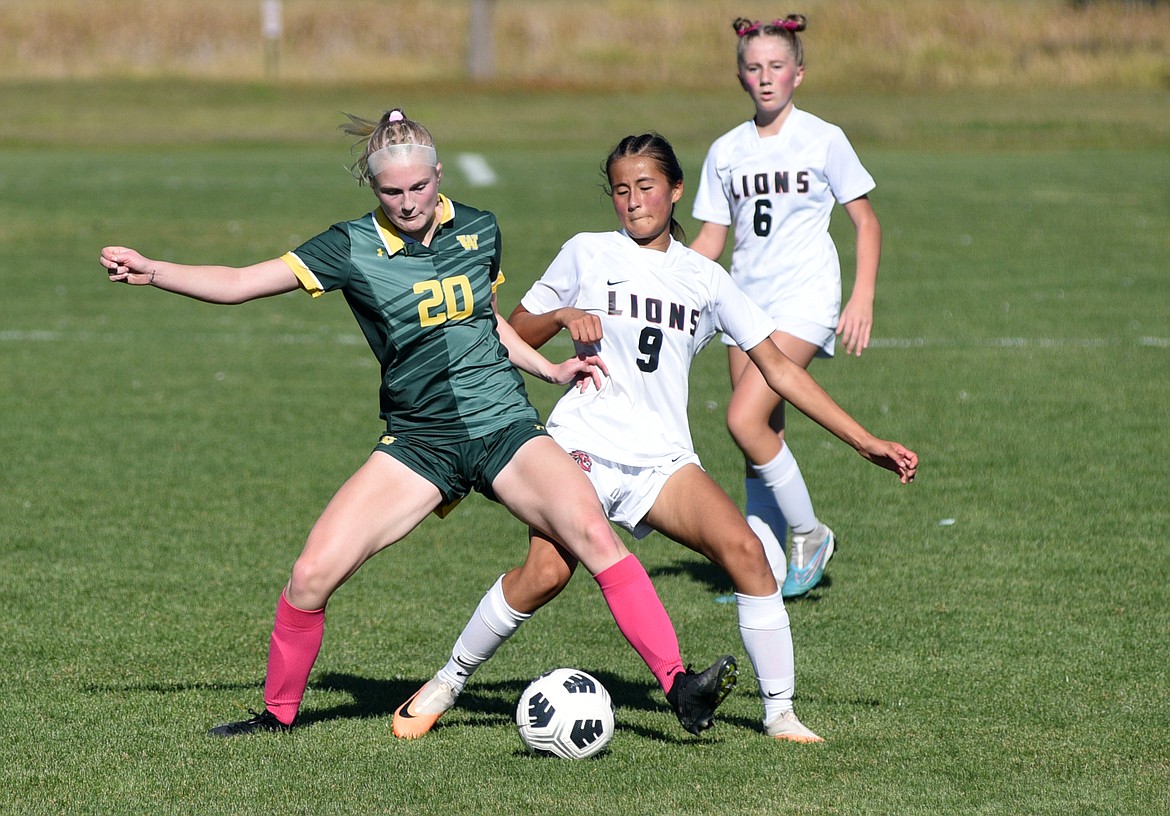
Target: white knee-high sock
782,476
769,525
767,638
490,625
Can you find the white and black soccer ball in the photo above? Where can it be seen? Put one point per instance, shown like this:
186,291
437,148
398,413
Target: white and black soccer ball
565,713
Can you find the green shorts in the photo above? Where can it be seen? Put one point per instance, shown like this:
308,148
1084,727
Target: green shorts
460,467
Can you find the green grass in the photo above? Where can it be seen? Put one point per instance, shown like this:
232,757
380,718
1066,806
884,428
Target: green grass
161,461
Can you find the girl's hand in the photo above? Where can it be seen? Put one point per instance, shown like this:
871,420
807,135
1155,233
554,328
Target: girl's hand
584,327
581,370
855,326
892,456
125,265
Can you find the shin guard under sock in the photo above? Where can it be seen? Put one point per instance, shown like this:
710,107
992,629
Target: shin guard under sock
641,617
296,640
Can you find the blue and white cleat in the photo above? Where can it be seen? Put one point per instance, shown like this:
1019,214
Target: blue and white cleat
808,556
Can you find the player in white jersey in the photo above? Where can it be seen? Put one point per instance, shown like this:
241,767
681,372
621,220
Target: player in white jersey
774,181
647,304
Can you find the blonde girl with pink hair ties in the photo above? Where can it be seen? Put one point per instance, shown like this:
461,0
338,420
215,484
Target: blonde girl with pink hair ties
774,181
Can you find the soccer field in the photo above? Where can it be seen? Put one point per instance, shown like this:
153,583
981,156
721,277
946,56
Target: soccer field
990,640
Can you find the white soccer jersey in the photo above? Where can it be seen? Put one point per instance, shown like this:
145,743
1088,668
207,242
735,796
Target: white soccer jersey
658,310
778,193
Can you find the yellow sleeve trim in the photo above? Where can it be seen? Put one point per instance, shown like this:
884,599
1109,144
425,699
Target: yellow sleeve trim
304,275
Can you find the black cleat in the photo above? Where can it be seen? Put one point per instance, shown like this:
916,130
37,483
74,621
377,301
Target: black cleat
264,721
694,697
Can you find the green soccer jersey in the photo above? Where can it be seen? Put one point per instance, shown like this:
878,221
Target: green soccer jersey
428,317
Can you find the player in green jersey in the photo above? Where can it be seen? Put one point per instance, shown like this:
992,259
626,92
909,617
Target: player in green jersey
419,274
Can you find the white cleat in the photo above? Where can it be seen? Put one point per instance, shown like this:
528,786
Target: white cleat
418,715
786,727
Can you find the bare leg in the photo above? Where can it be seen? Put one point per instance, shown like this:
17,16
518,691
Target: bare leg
378,505
545,488
694,511
777,494
510,601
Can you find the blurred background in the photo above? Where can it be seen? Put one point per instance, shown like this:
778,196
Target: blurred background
681,44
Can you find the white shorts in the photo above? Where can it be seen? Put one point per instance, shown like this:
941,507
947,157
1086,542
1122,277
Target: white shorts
627,492
823,337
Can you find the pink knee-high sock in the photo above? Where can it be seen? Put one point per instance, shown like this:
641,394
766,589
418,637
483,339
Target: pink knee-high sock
640,616
296,640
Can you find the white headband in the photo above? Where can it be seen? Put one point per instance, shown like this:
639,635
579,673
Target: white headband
400,154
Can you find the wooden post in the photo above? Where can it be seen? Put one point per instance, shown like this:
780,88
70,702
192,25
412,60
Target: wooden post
481,41
271,29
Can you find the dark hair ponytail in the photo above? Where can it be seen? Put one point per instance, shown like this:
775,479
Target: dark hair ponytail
657,149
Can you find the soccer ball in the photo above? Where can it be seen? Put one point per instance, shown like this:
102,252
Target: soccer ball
565,713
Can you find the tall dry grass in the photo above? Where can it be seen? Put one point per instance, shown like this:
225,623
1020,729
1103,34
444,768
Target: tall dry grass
897,44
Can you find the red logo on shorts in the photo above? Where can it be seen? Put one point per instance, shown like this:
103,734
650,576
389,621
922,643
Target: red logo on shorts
583,460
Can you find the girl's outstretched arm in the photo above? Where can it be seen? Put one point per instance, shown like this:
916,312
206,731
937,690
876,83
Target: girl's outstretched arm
212,284
798,387
582,369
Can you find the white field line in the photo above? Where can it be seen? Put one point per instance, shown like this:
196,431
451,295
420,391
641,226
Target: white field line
1016,342
34,336
348,339
475,167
